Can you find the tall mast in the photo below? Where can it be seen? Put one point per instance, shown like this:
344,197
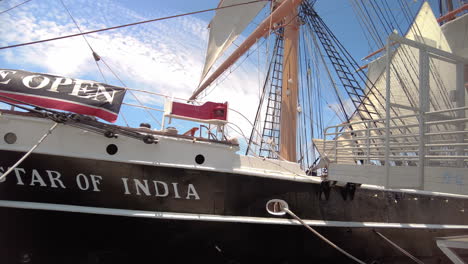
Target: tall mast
289,87
263,29
286,12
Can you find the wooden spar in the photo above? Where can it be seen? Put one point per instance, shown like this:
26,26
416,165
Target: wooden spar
289,88
451,15
376,52
259,32
363,67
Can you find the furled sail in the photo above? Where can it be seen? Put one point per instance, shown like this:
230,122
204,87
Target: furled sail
404,76
226,26
457,40
50,91
405,70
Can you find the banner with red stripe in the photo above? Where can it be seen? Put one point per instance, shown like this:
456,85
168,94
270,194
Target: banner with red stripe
73,95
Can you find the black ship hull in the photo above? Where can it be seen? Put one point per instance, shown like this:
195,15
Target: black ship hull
68,210
58,237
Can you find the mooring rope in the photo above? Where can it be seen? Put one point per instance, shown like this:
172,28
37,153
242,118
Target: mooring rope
320,236
29,152
399,248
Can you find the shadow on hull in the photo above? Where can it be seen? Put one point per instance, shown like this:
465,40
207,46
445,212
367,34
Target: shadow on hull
32,236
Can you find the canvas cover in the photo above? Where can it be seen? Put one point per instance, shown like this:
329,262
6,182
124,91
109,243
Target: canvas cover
209,112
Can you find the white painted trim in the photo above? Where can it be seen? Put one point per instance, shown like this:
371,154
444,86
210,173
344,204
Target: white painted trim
215,218
221,158
415,191
224,162
373,177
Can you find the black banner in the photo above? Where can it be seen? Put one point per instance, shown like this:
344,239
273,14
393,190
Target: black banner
50,91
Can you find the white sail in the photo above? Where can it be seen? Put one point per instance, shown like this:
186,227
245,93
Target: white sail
404,76
456,32
405,67
226,26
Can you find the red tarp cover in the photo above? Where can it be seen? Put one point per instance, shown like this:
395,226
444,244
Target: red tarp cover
207,111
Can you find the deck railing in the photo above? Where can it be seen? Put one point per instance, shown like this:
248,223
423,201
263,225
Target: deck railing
364,142
429,135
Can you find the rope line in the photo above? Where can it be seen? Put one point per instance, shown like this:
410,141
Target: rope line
134,96
4,11
29,152
399,248
96,57
125,25
320,236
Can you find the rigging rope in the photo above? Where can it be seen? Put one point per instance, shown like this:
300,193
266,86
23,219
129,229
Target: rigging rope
404,61
227,74
75,121
371,89
407,59
134,96
257,120
29,152
127,25
4,11
77,26
95,56
337,93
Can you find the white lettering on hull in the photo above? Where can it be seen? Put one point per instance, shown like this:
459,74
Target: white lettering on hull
54,178
84,184
156,188
35,178
125,180
159,189
192,192
18,175
96,180
91,182
176,190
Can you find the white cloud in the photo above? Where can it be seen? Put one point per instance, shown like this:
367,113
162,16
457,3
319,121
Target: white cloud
152,54
164,56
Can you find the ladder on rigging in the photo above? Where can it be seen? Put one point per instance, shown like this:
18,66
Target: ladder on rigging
269,146
342,66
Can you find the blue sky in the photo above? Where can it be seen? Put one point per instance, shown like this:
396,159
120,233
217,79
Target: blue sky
165,56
